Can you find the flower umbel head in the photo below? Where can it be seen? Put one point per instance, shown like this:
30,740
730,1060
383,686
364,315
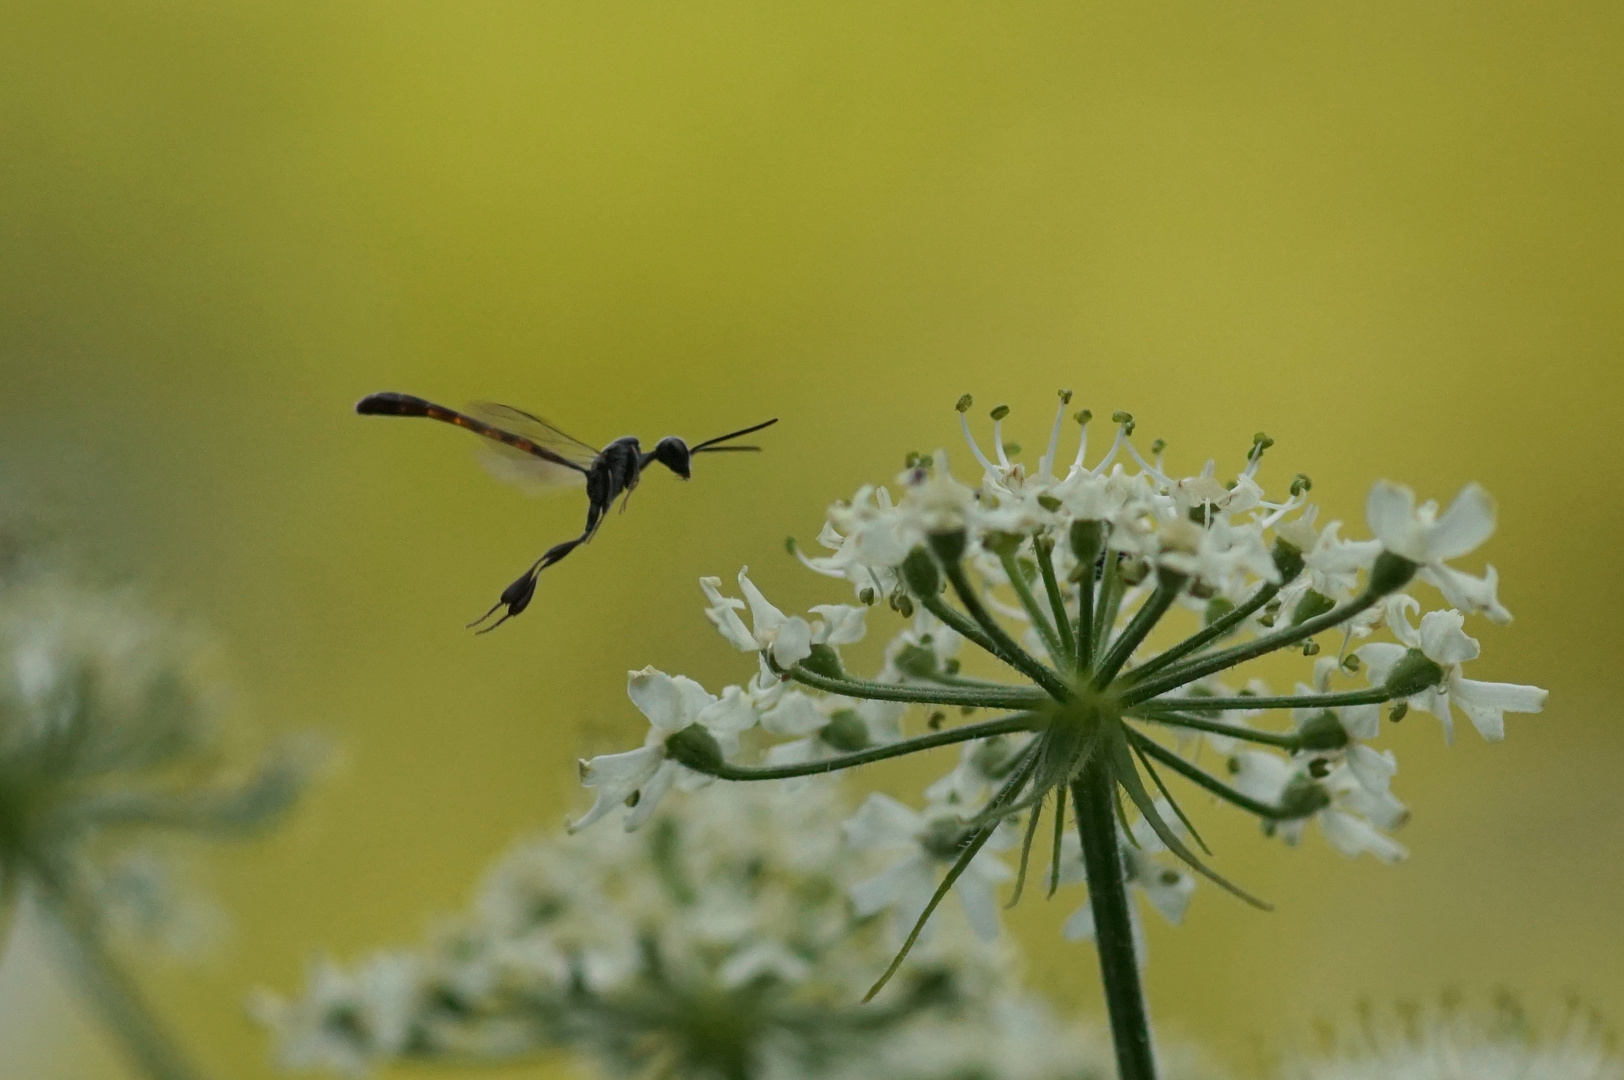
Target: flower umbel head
1067,585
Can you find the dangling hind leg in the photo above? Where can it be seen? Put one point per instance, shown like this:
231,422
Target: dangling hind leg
517,596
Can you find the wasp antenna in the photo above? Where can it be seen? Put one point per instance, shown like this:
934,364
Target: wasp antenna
732,435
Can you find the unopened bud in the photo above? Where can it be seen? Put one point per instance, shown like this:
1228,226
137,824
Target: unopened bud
1413,674
825,661
1390,574
921,573
846,732
948,546
696,748
1322,732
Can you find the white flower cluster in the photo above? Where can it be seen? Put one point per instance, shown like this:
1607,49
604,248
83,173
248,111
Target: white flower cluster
717,942
1449,1042
1063,580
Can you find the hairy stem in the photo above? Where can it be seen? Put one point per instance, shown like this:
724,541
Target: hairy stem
1251,650
1057,599
1209,782
79,940
1029,602
1195,723
1206,635
1092,798
1007,646
1004,725
1144,620
1013,698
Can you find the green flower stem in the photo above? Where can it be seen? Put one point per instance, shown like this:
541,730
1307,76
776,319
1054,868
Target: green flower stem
1196,723
1092,795
1012,698
112,992
1207,781
1168,587
1205,636
1034,610
1106,604
1042,546
962,624
1376,695
1007,647
1085,621
1003,725
1251,650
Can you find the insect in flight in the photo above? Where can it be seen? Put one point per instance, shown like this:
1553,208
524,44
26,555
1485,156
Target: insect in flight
532,450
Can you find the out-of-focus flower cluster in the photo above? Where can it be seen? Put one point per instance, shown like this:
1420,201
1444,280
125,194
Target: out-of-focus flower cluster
1072,581
717,942
1450,1042
109,741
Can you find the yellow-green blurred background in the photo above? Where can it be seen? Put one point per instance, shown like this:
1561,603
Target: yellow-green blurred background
1388,234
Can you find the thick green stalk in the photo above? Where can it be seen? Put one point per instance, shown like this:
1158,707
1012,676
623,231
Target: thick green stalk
79,941
1092,798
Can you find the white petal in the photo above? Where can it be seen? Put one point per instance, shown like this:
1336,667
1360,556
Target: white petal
1169,892
763,958
845,625
1080,924
730,715
763,615
891,885
794,642
1486,703
883,822
1351,836
1373,769
980,905
625,771
1443,641
1378,658
1390,512
650,794
1467,523
796,713
723,613
1476,595
1362,721
671,703
884,719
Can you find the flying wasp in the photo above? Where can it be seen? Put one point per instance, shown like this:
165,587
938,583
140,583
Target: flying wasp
529,450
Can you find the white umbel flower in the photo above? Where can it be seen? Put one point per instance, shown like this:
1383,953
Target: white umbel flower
1422,535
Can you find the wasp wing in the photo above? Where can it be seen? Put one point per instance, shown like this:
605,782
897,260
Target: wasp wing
537,456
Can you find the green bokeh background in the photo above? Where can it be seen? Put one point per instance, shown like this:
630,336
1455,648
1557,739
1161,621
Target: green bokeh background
1387,234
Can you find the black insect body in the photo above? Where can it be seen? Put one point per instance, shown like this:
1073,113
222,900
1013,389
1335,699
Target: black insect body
537,452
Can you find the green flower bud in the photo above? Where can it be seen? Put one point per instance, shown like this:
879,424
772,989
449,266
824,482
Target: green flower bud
846,732
1312,605
1288,560
824,661
1323,732
1413,674
696,748
1087,538
1303,797
948,546
921,573
1217,608
1002,543
1390,574
916,660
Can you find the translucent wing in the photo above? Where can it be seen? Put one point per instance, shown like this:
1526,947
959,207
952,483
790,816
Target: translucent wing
517,462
